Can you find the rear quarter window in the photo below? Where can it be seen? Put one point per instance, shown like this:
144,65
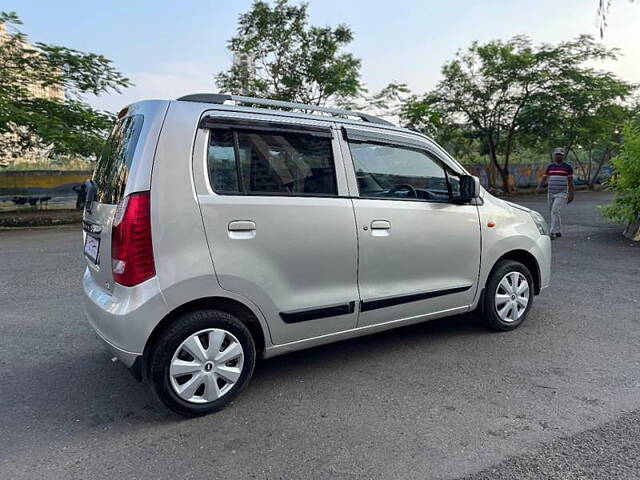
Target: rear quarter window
112,169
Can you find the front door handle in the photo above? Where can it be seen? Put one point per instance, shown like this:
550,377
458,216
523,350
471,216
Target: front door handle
380,228
380,225
242,226
242,229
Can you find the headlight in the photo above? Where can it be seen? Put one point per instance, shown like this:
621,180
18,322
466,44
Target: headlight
540,222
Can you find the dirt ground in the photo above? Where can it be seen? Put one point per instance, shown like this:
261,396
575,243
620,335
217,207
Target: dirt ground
39,218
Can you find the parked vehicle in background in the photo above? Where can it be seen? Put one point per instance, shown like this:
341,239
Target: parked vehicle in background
218,233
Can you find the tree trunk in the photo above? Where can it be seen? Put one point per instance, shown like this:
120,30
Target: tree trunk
579,163
504,174
492,174
591,181
632,231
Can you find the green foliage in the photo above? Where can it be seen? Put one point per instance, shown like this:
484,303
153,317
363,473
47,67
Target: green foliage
388,99
426,115
585,106
626,179
287,59
583,113
388,102
506,95
70,125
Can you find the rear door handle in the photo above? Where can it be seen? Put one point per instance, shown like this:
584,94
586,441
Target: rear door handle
242,229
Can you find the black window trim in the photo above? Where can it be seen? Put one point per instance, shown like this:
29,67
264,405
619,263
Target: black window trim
249,125
362,136
359,136
235,124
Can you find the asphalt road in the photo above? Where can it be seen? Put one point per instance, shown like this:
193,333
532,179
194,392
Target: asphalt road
558,398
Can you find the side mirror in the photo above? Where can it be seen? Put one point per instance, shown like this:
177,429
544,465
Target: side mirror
469,188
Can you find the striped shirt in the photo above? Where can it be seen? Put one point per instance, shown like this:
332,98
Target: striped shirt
558,175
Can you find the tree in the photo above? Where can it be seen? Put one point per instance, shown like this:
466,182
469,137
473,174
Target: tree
626,183
426,114
279,55
68,124
599,140
583,113
386,103
491,89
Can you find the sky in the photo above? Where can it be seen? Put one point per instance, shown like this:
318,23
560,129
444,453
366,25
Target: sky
172,48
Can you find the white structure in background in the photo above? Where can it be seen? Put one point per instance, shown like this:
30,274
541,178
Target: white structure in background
247,62
51,92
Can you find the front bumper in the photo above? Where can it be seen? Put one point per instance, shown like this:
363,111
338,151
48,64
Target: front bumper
544,260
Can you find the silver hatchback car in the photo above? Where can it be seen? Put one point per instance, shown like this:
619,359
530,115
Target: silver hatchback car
219,229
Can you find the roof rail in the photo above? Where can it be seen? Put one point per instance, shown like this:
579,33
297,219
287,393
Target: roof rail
220,98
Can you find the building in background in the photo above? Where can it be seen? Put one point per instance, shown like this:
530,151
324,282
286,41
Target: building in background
10,151
246,62
50,92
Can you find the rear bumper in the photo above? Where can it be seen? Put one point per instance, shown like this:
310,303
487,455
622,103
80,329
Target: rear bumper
125,319
130,360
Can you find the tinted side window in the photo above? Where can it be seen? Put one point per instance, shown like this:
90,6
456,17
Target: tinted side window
112,169
389,171
221,160
278,163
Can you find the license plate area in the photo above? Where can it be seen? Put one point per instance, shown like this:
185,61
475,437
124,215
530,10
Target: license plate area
91,248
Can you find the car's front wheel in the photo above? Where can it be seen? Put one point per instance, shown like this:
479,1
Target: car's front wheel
508,296
201,362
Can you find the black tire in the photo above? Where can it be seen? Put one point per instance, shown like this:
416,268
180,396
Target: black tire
489,311
183,327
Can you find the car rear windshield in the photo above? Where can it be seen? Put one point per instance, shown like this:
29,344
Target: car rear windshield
113,166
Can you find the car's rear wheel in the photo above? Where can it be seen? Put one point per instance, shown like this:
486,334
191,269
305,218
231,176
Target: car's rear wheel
508,296
201,362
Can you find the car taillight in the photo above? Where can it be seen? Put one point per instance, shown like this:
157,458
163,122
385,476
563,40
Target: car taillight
131,249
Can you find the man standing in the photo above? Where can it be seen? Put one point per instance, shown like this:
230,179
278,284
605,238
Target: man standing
559,175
